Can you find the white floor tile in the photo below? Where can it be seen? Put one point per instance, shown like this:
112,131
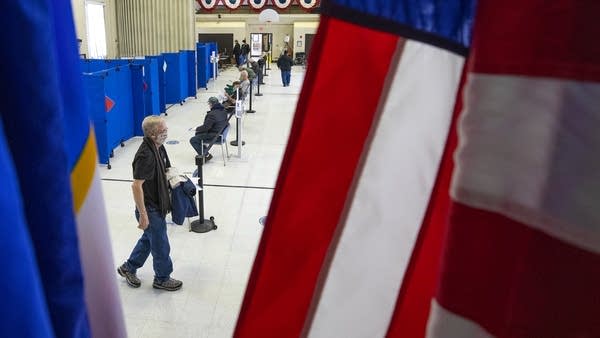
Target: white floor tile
214,266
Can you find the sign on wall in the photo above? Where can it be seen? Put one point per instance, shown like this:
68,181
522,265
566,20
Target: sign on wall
255,44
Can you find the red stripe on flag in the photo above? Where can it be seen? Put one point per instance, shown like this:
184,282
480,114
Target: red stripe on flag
337,105
421,277
518,282
538,38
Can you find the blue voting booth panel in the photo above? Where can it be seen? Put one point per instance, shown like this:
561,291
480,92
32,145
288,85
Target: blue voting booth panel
96,65
93,85
183,76
144,82
159,90
138,100
110,102
153,80
150,76
202,63
190,57
173,78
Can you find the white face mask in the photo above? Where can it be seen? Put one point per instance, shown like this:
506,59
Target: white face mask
161,138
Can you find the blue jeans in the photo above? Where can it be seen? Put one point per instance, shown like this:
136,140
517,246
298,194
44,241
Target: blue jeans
196,142
154,240
285,77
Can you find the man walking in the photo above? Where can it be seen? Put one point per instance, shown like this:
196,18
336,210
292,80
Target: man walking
285,65
152,203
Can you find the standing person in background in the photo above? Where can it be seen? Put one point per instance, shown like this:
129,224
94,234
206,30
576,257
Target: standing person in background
152,204
285,65
245,51
237,51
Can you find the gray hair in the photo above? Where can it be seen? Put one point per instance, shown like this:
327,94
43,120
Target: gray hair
151,124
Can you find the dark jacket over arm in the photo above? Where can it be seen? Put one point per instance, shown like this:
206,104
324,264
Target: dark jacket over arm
182,200
214,122
209,122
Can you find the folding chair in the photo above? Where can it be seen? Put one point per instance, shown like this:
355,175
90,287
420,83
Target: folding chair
222,139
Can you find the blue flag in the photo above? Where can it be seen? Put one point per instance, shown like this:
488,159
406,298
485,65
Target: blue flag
23,296
33,114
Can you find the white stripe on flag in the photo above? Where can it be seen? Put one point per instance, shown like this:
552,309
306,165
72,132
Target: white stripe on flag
533,176
391,196
101,294
445,324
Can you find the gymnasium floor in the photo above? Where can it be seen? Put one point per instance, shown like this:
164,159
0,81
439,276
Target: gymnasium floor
213,266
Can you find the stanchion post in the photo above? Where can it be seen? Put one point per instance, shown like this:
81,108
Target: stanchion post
201,224
213,60
250,110
238,132
266,67
258,88
239,110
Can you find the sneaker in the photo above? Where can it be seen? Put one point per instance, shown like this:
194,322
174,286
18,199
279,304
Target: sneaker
131,278
169,285
207,157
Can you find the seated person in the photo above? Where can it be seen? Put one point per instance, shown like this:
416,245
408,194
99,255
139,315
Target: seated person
249,71
254,66
231,94
244,84
230,89
214,122
242,87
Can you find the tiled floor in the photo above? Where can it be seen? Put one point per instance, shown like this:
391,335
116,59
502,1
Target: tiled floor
214,266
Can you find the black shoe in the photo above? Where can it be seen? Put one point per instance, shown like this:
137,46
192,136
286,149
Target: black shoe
168,285
207,157
131,278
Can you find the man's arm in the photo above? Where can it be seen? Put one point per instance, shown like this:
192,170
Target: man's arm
209,120
138,198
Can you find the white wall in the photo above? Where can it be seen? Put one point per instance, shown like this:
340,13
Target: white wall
300,31
279,32
241,31
237,28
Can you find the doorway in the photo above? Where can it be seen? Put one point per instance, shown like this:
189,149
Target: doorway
308,43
